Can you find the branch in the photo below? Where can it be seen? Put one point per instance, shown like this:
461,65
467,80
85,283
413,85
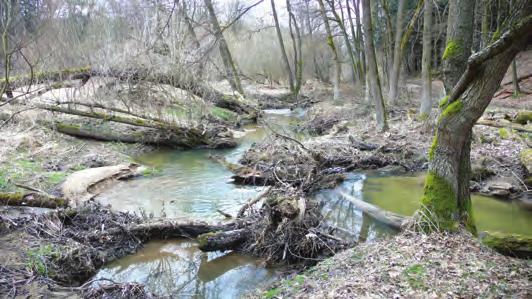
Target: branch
524,27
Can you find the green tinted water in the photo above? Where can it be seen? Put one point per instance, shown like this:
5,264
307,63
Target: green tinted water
401,195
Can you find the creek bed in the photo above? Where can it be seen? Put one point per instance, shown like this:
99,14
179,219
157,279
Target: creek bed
192,186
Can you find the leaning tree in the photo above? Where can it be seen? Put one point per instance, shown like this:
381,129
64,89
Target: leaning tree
474,81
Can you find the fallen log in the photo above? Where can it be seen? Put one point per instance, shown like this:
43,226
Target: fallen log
225,240
31,199
180,80
511,244
391,219
513,126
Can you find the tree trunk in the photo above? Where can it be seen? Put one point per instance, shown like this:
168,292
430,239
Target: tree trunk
350,52
426,95
295,35
32,199
360,40
359,75
231,70
336,60
283,49
373,75
446,194
485,23
460,29
396,68
515,80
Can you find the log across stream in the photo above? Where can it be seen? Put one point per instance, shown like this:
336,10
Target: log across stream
190,185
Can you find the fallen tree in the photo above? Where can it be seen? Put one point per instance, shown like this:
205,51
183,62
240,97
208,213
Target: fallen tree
180,80
31,199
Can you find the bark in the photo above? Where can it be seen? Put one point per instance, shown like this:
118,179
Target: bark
460,29
228,240
485,23
360,40
446,194
426,95
231,70
336,59
359,75
252,202
31,199
373,81
515,80
396,68
282,48
388,42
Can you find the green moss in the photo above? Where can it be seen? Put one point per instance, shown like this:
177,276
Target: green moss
415,275
452,109
272,293
330,42
433,146
523,117
67,127
55,177
496,35
525,156
503,133
509,244
203,239
224,114
423,117
37,259
443,102
440,199
452,50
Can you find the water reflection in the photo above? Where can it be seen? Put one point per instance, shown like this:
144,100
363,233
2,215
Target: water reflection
402,194
178,269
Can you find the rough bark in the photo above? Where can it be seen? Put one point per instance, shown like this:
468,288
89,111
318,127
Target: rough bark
426,95
373,81
396,68
231,70
446,193
336,59
228,240
515,80
459,40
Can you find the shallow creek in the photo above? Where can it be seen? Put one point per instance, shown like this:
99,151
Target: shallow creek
192,186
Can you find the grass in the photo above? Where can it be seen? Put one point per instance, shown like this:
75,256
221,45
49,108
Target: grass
37,259
415,276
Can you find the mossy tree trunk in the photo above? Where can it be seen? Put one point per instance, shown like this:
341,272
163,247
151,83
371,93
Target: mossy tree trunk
446,194
227,59
373,82
460,26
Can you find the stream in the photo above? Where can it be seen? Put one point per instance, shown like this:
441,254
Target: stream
189,185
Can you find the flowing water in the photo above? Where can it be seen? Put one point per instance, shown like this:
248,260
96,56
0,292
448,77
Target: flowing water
192,186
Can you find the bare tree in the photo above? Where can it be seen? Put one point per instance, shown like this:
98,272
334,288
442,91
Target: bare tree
284,56
334,51
394,76
231,70
372,75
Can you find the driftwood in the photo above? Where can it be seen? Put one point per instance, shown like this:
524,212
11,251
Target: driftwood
394,220
31,199
227,240
252,202
513,126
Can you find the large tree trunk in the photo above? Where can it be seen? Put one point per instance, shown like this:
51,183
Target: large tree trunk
396,68
336,59
283,49
446,194
231,70
426,95
460,28
373,81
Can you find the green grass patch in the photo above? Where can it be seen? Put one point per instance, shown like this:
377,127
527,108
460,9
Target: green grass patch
37,259
415,276
55,177
272,293
224,114
503,133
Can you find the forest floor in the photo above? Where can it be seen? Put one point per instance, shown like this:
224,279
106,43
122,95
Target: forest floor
412,265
